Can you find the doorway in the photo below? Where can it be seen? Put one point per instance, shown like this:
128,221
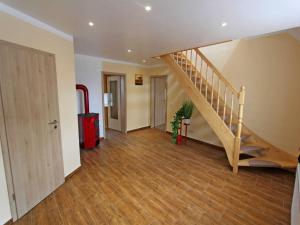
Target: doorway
114,98
158,102
29,126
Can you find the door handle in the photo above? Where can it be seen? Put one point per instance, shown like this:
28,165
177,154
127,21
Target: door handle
53,122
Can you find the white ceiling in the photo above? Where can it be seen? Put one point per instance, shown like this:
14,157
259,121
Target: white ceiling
171,25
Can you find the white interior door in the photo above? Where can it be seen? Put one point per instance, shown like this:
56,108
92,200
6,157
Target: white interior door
160,98
114,112
30,110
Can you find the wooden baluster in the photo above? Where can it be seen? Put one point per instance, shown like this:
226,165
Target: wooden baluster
231,111
206,81
177,55
225,100
201,78
181,56
218,100
241,110
237,144
212,89
186,57
191,65
196,68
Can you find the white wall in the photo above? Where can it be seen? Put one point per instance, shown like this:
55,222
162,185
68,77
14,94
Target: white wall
88,72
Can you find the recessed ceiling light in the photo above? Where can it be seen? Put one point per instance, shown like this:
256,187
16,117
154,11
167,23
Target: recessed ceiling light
91,24
224,24
129,50
148,8
144,61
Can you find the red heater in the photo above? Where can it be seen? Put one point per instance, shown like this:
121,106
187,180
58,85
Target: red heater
88,123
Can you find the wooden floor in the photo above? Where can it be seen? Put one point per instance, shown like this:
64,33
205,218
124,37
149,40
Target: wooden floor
141,178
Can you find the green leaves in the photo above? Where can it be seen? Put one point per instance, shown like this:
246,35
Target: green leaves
175,124
185,111
188,108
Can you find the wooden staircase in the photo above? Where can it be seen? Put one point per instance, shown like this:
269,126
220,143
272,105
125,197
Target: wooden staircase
222,106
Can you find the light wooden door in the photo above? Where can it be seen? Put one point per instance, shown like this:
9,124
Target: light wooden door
114,112
31,116
160,98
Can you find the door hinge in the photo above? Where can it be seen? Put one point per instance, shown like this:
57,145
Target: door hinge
14,196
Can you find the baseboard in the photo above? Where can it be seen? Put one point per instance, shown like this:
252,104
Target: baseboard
201,142
142,128
73,173
9,222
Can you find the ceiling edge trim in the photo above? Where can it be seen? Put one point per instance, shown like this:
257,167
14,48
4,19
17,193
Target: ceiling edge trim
130,63
101,59
22,16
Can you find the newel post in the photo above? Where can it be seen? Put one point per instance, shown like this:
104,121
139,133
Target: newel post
237,144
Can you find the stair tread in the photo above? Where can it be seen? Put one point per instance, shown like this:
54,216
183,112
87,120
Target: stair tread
272,158
253,150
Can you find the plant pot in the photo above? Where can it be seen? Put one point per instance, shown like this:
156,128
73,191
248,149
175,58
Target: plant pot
186,121
179,139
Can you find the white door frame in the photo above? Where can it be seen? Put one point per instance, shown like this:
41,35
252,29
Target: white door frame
104,75
114,123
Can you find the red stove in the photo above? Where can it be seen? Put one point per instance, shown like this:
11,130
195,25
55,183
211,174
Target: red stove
88,123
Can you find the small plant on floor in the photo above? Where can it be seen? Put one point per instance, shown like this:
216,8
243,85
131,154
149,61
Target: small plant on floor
175,124
188,108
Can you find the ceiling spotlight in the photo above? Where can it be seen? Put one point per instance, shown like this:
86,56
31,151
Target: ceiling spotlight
129,50
91,24
148,8
144,61
224,24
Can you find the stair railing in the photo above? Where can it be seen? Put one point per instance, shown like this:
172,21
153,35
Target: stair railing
226,101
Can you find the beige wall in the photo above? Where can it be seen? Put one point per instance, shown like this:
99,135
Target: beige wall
17,31
269,68
199,128
138,97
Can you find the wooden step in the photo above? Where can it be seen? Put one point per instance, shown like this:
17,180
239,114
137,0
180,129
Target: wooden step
272,158
253,150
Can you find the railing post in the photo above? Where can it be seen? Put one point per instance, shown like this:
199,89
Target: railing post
237,144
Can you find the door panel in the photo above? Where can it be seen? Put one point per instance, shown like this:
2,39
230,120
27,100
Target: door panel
114,112
160,101
115,106
29,98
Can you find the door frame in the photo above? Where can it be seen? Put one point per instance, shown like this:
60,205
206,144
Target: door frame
7,164
4,139
152,99
123,100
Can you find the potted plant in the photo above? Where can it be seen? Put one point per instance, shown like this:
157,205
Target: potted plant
175,124
188,108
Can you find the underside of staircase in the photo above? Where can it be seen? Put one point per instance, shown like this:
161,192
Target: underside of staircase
222,106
